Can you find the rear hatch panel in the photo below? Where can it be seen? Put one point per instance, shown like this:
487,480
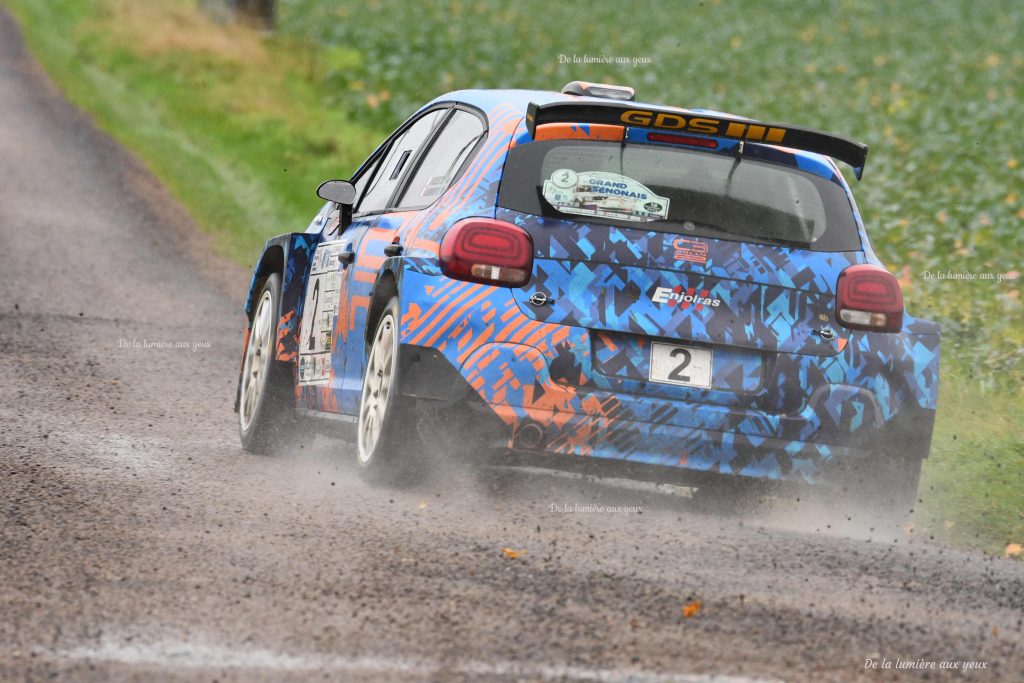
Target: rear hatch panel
709,291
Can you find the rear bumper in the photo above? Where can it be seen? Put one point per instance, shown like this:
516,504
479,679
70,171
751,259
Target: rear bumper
527,415
510,383
613,433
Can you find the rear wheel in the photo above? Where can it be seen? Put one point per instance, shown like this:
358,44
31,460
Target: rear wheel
266,406
389,451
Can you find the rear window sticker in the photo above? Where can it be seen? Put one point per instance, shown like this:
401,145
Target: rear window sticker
608,195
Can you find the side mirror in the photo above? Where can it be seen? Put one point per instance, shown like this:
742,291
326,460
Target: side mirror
338,191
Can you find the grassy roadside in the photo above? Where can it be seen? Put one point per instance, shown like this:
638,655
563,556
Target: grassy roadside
241,127
231,122
972,484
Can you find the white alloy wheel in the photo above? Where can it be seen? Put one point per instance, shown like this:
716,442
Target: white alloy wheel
257,360
377,385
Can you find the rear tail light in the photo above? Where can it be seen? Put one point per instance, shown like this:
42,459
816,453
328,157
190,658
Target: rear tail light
869,298
487,251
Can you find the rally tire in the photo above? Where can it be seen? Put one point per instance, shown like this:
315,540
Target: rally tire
388,450
266,405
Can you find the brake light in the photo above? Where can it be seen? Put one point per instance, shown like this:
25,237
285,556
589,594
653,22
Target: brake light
869,298
683,140
487,251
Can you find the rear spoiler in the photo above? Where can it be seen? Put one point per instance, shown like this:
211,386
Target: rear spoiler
626,113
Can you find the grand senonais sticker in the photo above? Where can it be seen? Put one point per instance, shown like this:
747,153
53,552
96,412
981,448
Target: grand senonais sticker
609,195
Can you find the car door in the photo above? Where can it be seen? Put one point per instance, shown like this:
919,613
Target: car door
441,159
337,293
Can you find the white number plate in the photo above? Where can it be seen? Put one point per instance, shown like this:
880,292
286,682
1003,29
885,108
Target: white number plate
688,366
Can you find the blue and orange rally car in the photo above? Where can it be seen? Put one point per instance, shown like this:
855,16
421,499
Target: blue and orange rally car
573,278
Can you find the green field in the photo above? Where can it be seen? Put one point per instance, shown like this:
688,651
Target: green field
242,126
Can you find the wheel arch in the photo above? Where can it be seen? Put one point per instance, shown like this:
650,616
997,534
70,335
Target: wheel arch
289,255
270,261
386,286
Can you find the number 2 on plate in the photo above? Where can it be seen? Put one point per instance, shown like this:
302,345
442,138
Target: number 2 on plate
677,372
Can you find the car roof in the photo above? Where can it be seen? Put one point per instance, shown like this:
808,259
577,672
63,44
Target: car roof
520,99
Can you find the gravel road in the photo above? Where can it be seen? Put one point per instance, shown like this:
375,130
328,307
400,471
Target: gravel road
139,542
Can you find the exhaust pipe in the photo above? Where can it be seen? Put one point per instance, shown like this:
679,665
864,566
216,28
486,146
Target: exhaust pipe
530,437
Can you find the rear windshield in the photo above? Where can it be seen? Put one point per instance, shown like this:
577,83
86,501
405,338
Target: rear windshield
679,191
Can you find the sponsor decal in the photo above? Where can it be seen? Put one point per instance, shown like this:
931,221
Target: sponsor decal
687,249
676,296
609,195
705,125
319,314
435,186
